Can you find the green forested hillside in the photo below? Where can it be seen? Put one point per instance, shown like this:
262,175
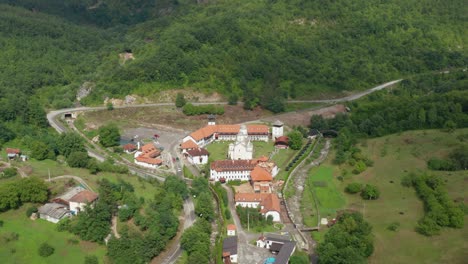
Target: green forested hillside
266,51
291,48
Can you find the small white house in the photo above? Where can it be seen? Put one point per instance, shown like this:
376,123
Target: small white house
197,156
231,230
80,200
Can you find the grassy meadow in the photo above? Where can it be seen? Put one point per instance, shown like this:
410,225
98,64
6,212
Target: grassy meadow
68,247
395,156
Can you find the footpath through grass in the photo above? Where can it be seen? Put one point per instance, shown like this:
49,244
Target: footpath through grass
68,247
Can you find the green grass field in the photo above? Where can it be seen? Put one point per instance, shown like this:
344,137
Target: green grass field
33,233
329,197
395,156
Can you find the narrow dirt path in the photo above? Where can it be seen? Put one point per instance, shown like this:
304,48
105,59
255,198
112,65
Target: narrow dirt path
114,227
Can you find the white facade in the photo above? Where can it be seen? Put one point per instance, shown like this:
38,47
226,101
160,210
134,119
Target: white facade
276,216
233,258
77,207
230,175
231,232
277,129
147,165
248,204
203,159
242,149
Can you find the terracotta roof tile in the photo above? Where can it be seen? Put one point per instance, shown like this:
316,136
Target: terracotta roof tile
260,174
189,144
198,152
269,201
231,227
129,147
84,197
233,165
208,131
12,151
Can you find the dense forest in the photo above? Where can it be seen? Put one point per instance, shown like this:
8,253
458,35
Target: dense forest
289,48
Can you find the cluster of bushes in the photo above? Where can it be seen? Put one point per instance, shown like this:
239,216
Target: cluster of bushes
8,173
26,190
253,217
190,109
203,199
223,196
458,160
440,210
350,240
299,156
368,192
196,241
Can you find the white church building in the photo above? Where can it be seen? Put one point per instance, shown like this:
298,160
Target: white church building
242,149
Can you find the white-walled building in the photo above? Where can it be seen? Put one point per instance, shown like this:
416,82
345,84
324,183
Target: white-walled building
210,133
197,156
268,203
78,202
277,129
148,156
53,212
242,149
229,170
231,230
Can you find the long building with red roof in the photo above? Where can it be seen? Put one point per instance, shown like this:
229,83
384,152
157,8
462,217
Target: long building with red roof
268,203
229,170
148,156
211,132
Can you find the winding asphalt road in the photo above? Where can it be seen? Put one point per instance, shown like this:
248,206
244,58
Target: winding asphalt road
188,205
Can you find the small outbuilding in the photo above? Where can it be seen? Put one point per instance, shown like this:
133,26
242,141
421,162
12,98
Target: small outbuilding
231,230
53,212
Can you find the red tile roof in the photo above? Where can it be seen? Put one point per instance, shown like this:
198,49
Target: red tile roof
269,201
260,174
84,197
233,165
189,144
149,160
231,227
282,140
208,131
12,151
198,152
149,155
129,147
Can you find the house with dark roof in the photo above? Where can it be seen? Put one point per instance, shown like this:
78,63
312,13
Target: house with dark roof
280,245
53,212
197,156
282,142
230,249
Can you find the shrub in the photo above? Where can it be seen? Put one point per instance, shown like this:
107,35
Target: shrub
45,250
8,173
353,188
370,192
91,260
394,226
441,165
227,213
31,210
359,167
63,225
